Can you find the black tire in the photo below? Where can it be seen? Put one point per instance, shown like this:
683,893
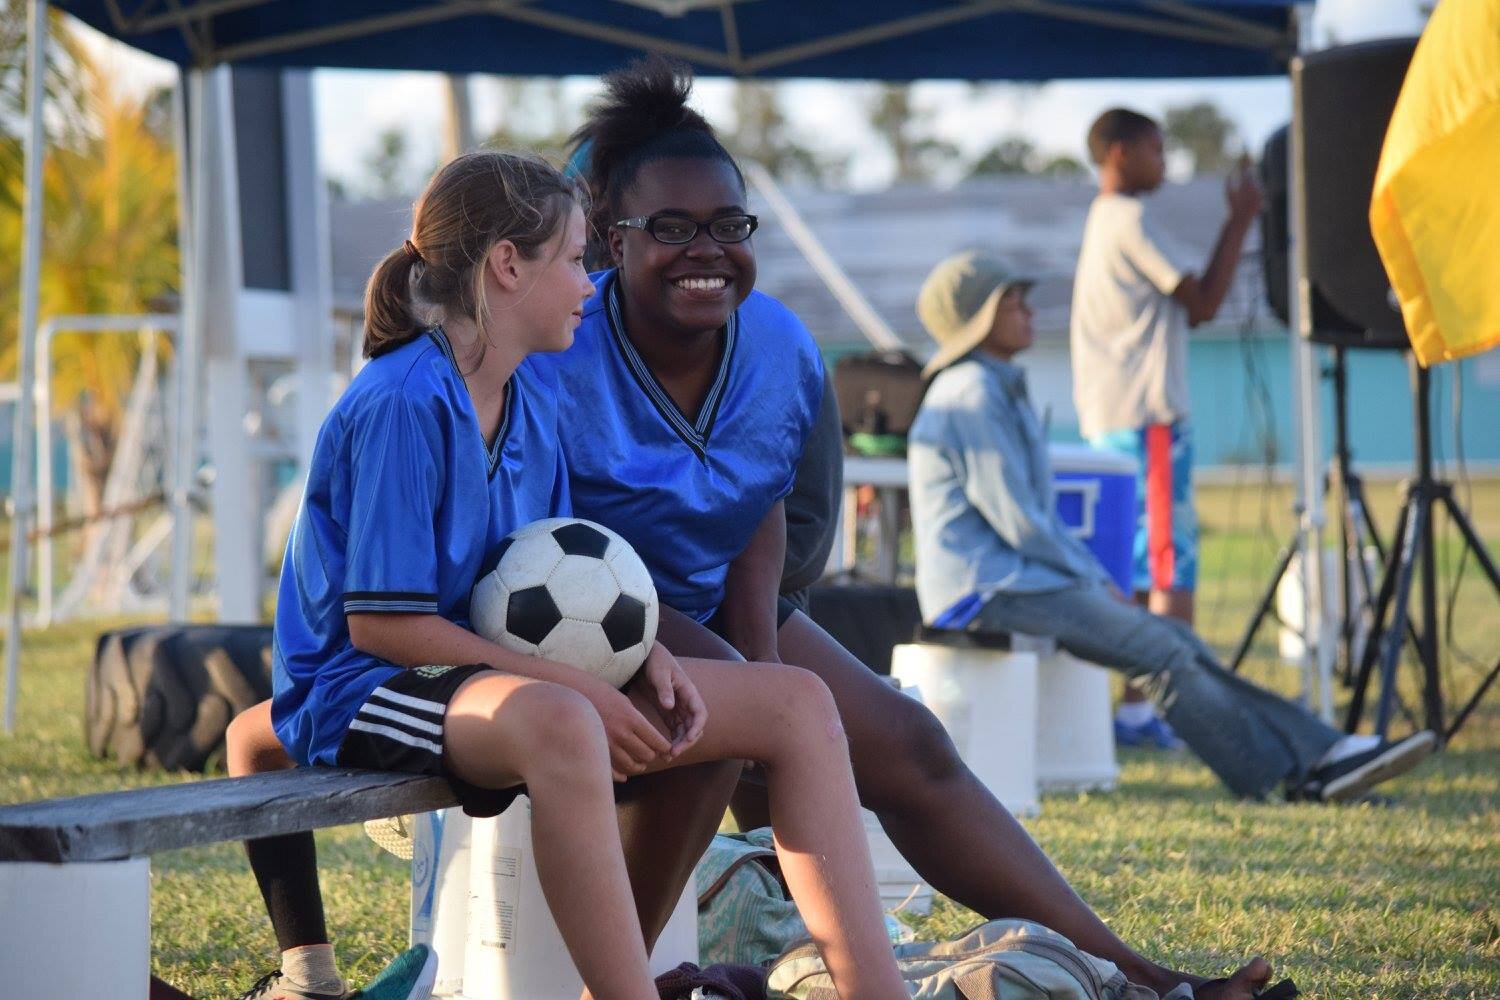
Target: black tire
163,696
113,698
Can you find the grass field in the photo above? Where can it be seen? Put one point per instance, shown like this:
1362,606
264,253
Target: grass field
1356,901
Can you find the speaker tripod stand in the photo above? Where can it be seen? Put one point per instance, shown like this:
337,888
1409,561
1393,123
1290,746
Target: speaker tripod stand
1356,534
1413,559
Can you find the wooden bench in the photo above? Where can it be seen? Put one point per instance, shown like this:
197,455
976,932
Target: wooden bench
75,872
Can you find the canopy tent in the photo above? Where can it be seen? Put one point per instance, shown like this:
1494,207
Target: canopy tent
839,39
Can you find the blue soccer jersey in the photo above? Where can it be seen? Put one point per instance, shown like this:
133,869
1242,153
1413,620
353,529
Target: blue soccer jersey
404,510
687,494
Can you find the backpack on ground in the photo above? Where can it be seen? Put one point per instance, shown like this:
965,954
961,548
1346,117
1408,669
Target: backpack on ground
745,913
998,960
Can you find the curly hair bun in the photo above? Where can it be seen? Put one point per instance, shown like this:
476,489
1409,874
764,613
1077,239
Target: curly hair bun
642,116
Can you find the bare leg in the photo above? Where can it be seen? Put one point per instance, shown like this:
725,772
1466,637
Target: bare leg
666,822
751,806
251,746
786,719
501,730
944,821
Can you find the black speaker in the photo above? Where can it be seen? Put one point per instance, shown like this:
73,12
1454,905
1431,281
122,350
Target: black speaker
1275,237
1346,95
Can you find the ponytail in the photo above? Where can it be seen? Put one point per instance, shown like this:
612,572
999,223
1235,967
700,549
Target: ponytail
476,201
389,321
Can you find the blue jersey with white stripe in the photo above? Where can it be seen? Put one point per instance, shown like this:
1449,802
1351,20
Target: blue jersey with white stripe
686,493
404,510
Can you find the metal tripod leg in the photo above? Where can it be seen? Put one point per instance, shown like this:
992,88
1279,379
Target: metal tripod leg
1481,553
1377,621
1357,527
1394,636
1263,606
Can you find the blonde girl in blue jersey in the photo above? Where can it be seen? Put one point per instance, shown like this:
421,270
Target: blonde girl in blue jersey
418,475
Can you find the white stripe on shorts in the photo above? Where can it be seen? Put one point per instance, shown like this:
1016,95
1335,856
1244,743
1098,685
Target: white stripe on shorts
370,708
436,708
397,735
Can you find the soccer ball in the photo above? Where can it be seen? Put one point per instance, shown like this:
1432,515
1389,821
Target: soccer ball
572,591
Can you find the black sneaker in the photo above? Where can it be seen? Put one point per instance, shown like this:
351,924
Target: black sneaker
1356,774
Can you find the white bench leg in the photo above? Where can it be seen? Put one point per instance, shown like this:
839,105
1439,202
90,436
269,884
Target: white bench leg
76,930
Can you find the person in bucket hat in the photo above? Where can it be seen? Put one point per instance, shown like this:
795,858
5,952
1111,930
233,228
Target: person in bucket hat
992,555
959,301
959,304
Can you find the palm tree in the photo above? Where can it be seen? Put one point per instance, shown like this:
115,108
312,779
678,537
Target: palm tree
109,239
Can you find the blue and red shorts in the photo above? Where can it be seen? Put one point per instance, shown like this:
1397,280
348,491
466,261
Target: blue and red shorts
1166,535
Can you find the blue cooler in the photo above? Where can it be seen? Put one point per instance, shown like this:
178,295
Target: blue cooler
1096,500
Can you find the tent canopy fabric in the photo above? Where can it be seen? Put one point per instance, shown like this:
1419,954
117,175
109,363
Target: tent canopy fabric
838,39
1435,213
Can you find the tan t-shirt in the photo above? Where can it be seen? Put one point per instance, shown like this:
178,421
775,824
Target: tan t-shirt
1129,336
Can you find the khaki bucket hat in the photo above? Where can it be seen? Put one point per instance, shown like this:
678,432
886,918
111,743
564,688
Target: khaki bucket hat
957,304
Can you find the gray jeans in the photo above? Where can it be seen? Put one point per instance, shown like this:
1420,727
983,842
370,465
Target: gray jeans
1252,739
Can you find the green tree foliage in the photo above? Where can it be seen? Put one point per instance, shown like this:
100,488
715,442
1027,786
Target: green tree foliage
109,236
1063,165
534,117
763,133
1015,155
386,165
1205,133
897,121
1011,155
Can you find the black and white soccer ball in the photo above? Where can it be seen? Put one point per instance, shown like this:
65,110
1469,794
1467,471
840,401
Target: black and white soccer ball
572,591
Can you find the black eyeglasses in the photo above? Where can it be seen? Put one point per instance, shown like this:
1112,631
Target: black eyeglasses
666,227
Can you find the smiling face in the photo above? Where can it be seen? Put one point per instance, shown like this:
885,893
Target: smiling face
683,289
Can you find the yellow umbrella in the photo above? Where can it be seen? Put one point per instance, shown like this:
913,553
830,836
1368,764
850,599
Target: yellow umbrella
1435,210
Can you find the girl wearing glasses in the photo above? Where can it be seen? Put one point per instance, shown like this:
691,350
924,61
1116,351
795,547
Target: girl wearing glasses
689,397
444,443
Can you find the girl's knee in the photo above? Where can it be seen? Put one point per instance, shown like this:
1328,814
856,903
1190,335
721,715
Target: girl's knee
914,751
808,704
559,726
251,745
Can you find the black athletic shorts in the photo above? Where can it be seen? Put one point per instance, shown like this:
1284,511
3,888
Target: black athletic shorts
400,728
784,609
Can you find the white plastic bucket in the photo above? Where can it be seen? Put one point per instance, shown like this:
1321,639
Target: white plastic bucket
440,893
1075,745
513,949
81,929
986,698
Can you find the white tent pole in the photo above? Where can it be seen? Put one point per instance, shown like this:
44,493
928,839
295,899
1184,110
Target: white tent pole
1317,647
31,272
184,447
42,393
876,330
